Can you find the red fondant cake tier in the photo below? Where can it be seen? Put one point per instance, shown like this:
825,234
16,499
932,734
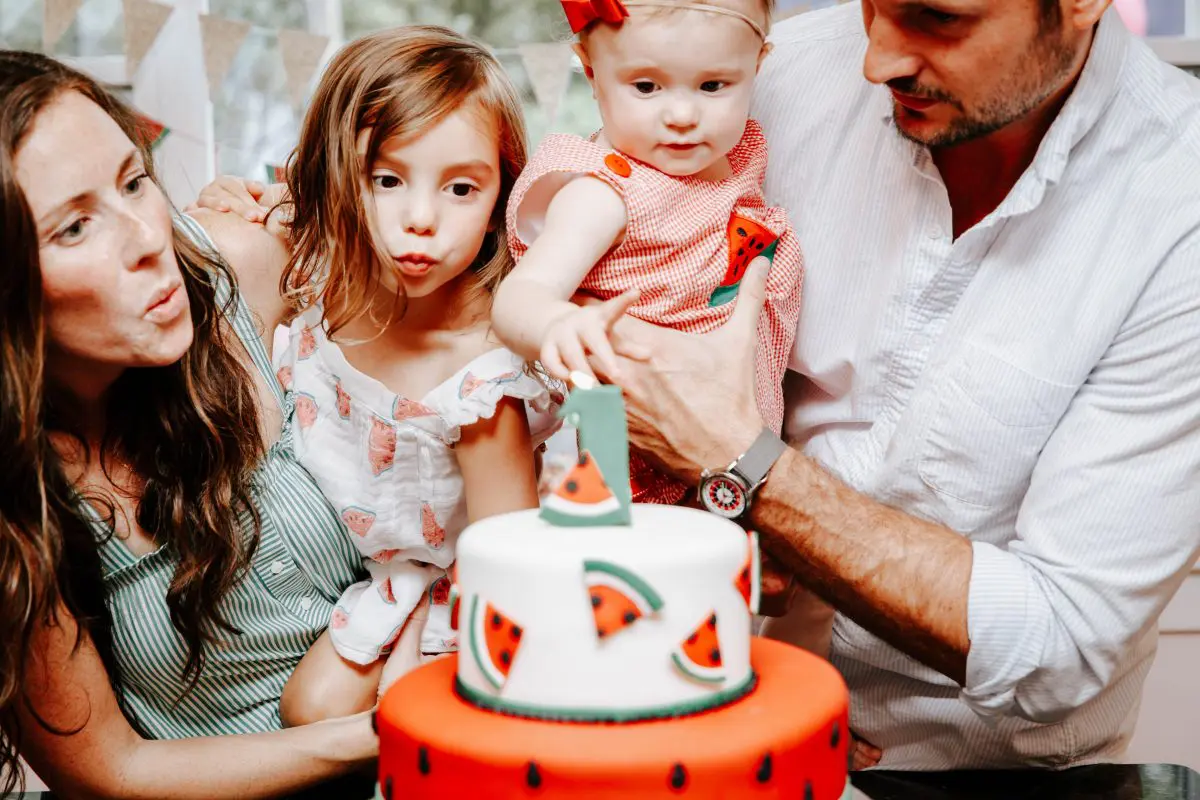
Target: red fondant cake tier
788,738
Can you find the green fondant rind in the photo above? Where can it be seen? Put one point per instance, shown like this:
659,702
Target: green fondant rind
686,667
648,594
486,669
687,708
723,294
562,519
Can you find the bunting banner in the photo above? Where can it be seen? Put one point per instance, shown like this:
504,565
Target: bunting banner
549,68
151,131
302,54
221,39
276,173
144,21
57,16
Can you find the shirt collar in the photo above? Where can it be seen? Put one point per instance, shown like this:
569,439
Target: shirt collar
1093,93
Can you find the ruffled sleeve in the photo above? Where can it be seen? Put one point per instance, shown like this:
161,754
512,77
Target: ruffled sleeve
475,392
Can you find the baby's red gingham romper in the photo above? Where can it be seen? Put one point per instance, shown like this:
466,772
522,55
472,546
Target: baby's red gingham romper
686,246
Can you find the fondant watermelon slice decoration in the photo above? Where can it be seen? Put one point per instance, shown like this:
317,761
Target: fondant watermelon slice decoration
749,580
747,241
699,655
455,602
618,597
582,498
494,641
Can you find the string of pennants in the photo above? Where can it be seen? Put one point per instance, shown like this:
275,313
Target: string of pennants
547,64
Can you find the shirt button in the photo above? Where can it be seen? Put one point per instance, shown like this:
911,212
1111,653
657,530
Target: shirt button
306,603
934,232
276,567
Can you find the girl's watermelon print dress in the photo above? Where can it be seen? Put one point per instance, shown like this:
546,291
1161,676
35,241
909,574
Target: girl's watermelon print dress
387,464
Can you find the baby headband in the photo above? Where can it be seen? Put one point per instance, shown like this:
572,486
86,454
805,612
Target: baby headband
581,13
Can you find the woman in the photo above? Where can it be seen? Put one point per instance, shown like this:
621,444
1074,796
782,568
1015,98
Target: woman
164,563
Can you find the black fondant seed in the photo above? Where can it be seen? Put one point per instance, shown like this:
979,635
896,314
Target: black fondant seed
836,736
629,617
601,632
597,600
678,777
765,769
515,632
808,792
741,251
692,639
533,777
741,231
387,788
572,487
422,760
759,245
496,621
583,459
712,622
505,657
714,655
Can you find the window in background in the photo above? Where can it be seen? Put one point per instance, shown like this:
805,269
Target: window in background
503,25
254,120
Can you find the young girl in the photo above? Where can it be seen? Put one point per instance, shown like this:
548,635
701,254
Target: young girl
412,419
660,213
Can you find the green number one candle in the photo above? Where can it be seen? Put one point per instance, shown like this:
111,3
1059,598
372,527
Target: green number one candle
596,490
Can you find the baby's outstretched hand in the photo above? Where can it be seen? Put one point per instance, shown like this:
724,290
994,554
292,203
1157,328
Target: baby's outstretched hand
571,337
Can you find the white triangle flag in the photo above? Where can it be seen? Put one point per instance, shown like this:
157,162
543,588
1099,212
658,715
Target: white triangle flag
144,20
302,55
549,68
221,39
57,16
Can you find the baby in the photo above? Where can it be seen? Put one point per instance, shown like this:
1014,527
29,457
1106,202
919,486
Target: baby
661,212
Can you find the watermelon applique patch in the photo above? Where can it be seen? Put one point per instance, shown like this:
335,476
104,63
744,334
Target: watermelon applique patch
699,655
358,520
747,241
582,498
495,640
343,400
618,597
749,580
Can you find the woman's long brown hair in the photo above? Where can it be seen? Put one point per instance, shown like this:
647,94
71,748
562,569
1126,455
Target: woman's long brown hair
396,83
189,431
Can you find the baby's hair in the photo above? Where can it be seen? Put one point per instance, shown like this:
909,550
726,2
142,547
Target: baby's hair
767,6
397,83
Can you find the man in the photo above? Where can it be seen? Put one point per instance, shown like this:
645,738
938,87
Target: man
994,471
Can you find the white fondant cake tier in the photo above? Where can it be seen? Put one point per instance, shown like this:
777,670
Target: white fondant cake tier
534,598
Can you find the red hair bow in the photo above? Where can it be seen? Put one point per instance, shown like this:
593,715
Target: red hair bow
581,13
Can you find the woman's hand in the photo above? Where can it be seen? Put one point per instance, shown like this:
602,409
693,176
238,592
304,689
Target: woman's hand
250,199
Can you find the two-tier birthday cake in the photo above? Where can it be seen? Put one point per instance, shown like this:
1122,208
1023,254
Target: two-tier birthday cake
606,651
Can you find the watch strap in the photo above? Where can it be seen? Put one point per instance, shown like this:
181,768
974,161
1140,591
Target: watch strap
756,462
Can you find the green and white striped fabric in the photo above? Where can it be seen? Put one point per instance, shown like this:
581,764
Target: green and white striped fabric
304,562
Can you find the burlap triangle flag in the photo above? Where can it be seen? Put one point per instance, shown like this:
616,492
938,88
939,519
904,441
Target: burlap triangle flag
144,20
222,39
549,68
57,16
302,54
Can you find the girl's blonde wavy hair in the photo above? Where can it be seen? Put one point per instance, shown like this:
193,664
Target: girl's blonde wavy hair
396,83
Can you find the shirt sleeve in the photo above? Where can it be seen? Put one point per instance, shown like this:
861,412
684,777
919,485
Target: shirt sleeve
1110,524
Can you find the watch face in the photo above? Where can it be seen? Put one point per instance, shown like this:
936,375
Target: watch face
722,495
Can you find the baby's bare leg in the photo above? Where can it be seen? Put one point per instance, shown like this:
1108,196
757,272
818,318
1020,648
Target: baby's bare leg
406,652
325,686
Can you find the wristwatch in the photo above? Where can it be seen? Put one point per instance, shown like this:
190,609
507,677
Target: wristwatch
728,492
